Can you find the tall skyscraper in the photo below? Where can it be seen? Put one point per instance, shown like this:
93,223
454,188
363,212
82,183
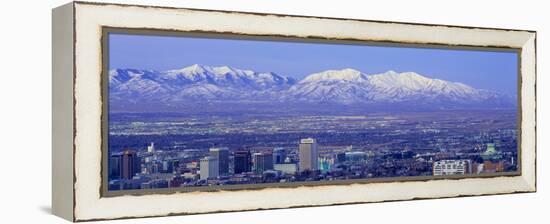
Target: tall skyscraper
308,154
262,162
279,155
114,166
124,165
242,161
209,168
222,156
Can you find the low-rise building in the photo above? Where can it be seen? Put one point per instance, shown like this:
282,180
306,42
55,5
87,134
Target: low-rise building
286,168
452,167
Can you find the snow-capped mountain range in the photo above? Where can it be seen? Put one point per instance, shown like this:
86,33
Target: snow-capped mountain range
200,83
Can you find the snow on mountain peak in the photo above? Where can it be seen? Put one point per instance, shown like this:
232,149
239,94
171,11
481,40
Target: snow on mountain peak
391,73
221,70
340,86
405,80
195,81
347,74
196,68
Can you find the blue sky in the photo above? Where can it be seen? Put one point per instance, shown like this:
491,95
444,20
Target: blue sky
481,69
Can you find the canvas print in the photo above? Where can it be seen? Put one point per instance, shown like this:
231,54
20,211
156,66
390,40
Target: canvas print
201,112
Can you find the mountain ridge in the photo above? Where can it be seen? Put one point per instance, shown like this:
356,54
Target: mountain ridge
201,83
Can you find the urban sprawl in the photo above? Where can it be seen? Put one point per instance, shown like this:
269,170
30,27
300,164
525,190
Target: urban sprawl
383,146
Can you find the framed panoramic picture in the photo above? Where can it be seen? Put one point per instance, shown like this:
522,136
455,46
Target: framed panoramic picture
157,110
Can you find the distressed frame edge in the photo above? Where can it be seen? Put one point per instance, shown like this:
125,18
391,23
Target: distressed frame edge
63,26
298,16
528,182
303,206
529,63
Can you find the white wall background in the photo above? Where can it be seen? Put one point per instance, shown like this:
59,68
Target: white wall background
25,112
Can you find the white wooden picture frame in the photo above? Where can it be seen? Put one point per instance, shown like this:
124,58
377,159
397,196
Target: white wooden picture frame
77,110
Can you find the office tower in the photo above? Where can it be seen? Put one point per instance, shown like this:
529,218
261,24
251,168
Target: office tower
124,165
341,157
279,155
308,154
170,166
209,168
165,167
151,148
262,162
114,167
174,165
157,167
222,156
452,167
242,161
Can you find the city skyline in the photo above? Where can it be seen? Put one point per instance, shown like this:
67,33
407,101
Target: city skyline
168,164
216,167
246,112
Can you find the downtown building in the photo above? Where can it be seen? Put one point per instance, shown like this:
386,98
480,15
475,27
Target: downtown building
170,166
151,148
209,168
222,156
242,162
452,167
124,165
286,168
355,156
308,155
262,162
279,155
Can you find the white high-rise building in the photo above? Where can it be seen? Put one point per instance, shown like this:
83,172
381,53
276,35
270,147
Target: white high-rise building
452,167
151,148
209,168
222,156
308,154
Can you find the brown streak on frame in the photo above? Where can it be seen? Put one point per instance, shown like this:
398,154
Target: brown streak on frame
519,112
301,206
74,112
297,16
302,39
106,30
535,85
104,95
